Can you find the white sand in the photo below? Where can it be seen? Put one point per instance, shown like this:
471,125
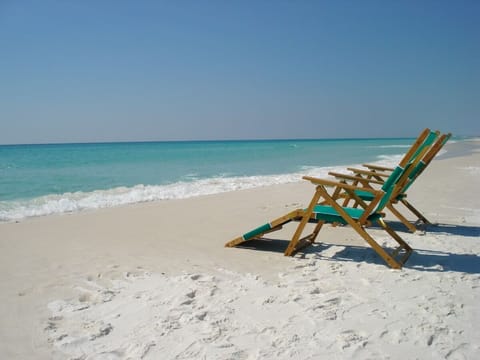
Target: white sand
154,281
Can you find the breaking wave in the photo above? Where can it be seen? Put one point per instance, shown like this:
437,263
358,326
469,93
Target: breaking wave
187,188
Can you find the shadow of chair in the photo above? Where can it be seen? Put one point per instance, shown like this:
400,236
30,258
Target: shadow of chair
420,260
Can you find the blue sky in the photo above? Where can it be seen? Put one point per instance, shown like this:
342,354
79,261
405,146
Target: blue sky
74,71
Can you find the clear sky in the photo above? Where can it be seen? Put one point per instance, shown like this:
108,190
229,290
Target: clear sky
75,71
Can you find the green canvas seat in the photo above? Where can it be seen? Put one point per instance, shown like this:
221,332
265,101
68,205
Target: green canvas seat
366,196
320,212
330,215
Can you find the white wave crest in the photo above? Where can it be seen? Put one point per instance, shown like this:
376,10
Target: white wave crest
389,160
390,146
79,201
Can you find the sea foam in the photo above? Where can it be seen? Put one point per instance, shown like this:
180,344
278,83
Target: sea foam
80,201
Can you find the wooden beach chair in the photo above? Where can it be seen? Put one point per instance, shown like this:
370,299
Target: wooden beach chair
376,175
324,209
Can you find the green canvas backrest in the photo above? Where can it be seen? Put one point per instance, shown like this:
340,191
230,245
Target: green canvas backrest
388,186
429,140
392,179
410,154
417,157
414,159
422,164
404,169
409,159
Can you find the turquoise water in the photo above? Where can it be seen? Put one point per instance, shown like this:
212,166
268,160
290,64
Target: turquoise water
44,179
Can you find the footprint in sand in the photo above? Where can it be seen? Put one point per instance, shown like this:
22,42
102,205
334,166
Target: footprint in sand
379,314
52,324
269,300
85,297
350,338
328,308
459,352
135,350
101,331
399,336
315,291
337,268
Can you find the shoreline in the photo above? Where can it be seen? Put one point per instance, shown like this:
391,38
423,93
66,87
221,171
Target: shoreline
59,204
51,264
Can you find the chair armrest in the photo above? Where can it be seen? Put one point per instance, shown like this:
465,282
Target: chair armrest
355,178
325,182
367,172
378,167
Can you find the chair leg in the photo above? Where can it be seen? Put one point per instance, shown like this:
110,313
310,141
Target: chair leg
415,211
393,234
402,218
390,260
293,245
317,229
399,240
303,242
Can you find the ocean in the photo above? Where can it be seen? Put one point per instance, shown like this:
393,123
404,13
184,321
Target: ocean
37,180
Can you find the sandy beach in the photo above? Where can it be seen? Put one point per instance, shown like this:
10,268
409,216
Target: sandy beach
154,281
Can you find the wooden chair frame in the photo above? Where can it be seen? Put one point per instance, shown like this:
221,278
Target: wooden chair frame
371,212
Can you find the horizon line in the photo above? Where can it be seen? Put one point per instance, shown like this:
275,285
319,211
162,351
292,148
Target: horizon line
201,140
